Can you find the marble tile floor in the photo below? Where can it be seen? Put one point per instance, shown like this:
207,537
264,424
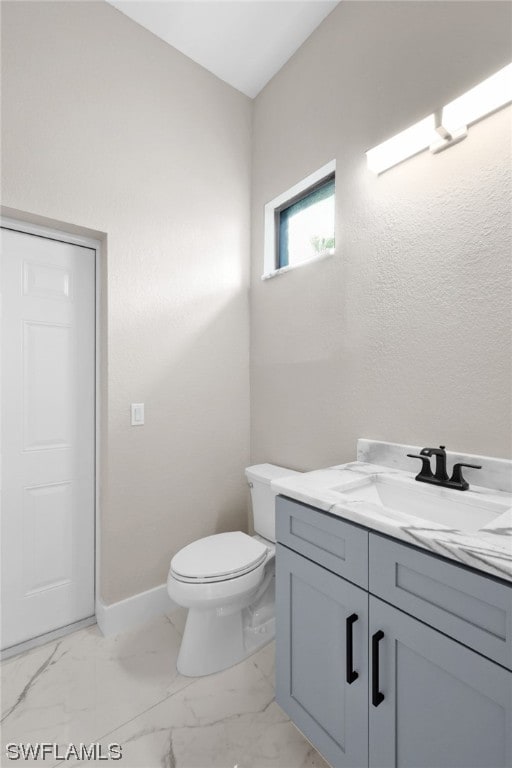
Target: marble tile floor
86,688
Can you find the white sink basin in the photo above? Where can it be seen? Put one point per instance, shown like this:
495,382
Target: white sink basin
455,509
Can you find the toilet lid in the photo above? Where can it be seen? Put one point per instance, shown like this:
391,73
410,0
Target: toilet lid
218,556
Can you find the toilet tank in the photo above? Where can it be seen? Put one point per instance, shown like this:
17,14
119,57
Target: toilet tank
264,498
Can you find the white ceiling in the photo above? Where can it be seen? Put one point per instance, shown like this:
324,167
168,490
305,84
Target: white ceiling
244,42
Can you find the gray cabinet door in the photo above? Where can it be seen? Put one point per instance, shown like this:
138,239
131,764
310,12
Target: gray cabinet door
312,608
444,705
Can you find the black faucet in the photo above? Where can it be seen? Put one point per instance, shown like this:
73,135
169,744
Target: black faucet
440,476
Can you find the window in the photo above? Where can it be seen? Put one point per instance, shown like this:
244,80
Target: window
306,227
299,224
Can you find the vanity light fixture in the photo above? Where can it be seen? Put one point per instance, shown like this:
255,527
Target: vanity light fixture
405,144
447,126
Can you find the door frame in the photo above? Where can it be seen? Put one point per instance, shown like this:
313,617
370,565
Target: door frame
63,236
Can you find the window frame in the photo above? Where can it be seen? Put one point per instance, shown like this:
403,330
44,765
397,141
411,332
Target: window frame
273,210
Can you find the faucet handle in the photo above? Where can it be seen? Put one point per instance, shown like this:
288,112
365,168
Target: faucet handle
469,466
457,476
426,470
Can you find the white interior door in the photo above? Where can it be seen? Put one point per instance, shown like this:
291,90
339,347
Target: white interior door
47,434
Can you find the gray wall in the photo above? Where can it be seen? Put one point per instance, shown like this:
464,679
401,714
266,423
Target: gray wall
405,334
106,127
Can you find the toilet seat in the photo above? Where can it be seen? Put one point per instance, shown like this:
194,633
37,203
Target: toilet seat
220,557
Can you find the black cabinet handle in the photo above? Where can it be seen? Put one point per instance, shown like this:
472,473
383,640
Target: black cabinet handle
377,696
351,673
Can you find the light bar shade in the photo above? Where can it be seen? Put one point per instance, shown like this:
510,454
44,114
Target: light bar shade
484,98
405,144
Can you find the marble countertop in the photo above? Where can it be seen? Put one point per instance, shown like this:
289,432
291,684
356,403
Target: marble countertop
487,549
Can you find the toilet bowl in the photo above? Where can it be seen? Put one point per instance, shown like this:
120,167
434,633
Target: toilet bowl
227,583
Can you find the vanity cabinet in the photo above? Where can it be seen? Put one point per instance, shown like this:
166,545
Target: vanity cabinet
424,694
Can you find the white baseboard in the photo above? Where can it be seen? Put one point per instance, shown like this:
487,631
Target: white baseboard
135,610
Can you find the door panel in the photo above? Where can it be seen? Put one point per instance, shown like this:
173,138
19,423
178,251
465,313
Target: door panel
48,536
444,706
312,607
48,428
47,386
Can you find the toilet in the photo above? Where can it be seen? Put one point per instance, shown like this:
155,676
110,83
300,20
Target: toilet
227,583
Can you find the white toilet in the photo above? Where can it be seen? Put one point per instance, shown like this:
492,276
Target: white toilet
227,583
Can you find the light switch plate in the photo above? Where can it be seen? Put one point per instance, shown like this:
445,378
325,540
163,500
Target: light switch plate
137,414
